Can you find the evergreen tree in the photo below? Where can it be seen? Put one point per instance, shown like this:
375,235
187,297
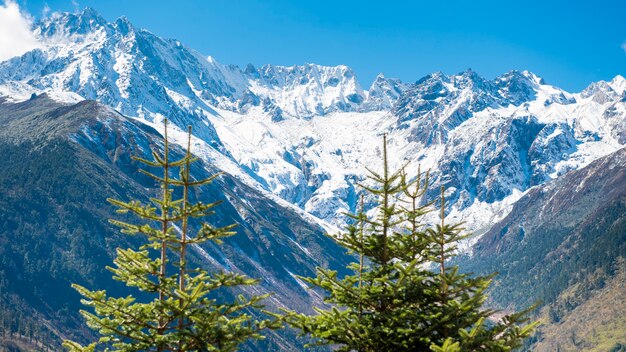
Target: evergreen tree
394,301
181,316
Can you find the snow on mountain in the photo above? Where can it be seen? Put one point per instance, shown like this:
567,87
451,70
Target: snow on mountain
487,141
132,70
313,163
308,90
143,75
305,133
383,93
618,84
487,156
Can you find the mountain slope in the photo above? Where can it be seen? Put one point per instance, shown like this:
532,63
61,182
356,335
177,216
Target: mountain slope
563,244
295,142
63,161
309,128
485,155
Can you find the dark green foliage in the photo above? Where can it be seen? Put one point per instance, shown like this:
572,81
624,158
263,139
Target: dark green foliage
618,348
181,313
46,235
392,301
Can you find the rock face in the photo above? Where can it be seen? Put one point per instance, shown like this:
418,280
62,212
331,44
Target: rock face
61,163
308,90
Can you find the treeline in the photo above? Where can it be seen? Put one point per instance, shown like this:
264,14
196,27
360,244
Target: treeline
556,257
21,329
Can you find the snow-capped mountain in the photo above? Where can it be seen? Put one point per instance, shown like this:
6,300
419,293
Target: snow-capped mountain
309,90
383,93
305,133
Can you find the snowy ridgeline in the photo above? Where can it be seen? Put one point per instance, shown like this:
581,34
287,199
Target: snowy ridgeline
304,134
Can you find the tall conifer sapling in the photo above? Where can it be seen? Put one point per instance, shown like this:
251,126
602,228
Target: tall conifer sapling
182,316
394,301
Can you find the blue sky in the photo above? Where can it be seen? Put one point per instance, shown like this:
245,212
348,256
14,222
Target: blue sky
569,43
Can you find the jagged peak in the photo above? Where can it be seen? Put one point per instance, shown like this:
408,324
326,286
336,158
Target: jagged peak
384,93
277,75
604,92
90,12
519,77
515,74
123,19
384,83
250,68
382,79
68,23
517,87
468,72
467,77
535,78
618,83
305,68
124,25
433,77
601,86
618,78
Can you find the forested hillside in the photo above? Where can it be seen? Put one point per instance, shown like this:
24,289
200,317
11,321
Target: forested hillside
564,245
61,162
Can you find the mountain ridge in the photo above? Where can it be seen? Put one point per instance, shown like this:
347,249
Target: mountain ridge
523,131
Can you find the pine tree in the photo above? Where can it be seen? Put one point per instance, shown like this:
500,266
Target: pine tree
393,300
182,316
459,321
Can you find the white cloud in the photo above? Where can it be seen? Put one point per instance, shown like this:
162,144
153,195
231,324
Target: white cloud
16,36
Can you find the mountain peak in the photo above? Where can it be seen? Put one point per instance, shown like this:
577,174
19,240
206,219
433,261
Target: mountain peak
379,77
65,23
436,76
123,25
527,77
384,93
618,83
468,76
381,80
90,12
603,91
309,89
518,87
534,77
